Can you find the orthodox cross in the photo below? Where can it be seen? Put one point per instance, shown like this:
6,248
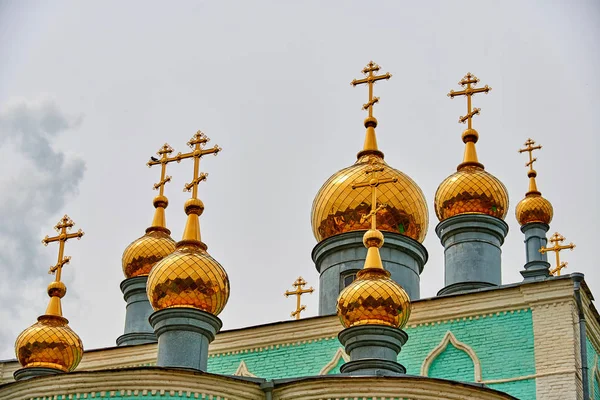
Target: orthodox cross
63,226
197,143
374,183
298,284
469,91
163,152
370,81
529,147
557,238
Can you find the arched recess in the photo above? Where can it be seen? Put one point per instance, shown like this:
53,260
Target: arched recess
242,370
340,354
449,338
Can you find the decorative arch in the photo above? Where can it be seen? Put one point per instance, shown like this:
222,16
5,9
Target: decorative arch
449,338
242,370
339,354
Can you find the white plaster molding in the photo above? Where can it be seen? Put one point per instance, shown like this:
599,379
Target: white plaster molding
242,370
339,354
449,338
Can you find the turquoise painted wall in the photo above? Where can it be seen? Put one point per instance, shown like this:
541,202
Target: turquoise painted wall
592,356
503,343
462,368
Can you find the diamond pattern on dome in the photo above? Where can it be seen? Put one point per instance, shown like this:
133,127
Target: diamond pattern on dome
471,190
141,255
338,208
534,209
373,299
49,343
188,277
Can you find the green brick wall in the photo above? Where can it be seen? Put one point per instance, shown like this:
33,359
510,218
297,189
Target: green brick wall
593,355
503,342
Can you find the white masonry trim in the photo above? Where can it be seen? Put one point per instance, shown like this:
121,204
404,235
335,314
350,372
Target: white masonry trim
450,338
339,354
242,370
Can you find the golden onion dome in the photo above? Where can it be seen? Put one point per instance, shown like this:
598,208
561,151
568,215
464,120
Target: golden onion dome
471,190
141,254
373,298
189,277
338,208
49,343
534,209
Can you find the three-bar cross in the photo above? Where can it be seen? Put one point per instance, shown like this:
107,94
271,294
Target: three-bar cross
63,226
557,238
469,91
370,81
298,284
529,147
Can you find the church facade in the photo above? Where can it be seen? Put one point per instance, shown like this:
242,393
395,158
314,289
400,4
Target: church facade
375,337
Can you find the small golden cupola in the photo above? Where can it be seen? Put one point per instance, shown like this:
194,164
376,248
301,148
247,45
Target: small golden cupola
51,343
533,208
141,255
373,298
337,208
189,277
470,190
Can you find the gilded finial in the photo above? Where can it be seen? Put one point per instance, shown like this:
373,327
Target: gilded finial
57,289
529,148
161,202
299,285
557,239
194,207
470,135
373,238
370,146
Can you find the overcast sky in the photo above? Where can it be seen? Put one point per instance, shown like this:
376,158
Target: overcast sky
90,90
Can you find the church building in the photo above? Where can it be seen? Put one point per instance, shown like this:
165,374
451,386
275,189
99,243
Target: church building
375,337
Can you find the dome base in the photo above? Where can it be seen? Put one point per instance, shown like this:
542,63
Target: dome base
138,310
373,350
537,266
33,372
472,251
183,337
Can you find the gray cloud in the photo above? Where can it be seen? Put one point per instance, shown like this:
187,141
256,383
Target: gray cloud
32,191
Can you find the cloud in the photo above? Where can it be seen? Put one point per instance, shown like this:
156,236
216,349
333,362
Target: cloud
37,178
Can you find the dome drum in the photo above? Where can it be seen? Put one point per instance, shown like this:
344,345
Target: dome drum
344,254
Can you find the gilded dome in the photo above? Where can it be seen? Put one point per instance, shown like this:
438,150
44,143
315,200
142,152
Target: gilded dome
338,208
141,255
373,299
471,190
534,209
49,343
188,277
